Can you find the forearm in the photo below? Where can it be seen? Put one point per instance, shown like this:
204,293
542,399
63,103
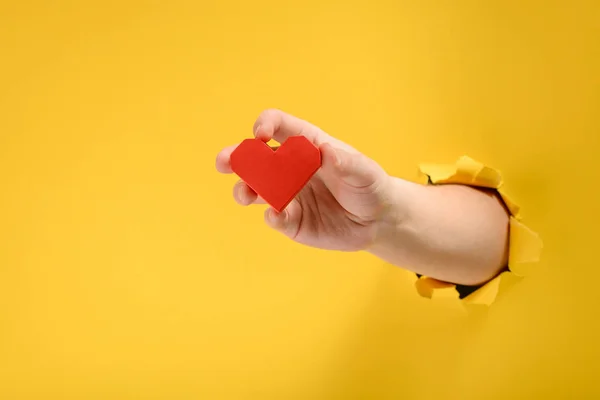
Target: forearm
452,233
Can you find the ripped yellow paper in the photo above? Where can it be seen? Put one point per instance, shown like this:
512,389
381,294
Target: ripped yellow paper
525,246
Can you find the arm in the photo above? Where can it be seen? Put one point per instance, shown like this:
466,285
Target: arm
450,233
453,233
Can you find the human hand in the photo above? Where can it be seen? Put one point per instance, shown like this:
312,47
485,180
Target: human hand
343,204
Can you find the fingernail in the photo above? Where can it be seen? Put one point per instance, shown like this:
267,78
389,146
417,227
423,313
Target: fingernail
237,192
257,129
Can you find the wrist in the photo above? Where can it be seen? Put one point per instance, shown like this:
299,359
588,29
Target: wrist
397,218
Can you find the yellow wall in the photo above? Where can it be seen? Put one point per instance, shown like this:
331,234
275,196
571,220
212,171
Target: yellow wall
127,271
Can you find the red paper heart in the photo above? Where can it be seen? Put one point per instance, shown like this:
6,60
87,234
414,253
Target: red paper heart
276,176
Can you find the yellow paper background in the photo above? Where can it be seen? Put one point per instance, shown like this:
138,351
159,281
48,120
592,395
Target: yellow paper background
127,271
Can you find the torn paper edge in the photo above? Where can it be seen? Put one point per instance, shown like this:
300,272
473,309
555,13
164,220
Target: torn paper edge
525,245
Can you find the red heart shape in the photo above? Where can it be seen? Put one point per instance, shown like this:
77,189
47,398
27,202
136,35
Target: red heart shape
276,175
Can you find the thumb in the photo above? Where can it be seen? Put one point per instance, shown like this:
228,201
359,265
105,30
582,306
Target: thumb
353,168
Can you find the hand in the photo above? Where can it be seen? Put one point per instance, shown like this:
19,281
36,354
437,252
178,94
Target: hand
343,204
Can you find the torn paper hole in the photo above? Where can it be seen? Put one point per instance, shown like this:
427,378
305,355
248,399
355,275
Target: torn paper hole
525,245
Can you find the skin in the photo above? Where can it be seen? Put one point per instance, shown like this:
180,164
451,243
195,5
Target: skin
453,233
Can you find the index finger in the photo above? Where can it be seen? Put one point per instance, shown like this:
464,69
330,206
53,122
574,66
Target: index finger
278,125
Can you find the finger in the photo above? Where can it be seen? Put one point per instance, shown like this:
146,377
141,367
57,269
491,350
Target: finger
245,196
287,221
352,168
222,163
278,125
